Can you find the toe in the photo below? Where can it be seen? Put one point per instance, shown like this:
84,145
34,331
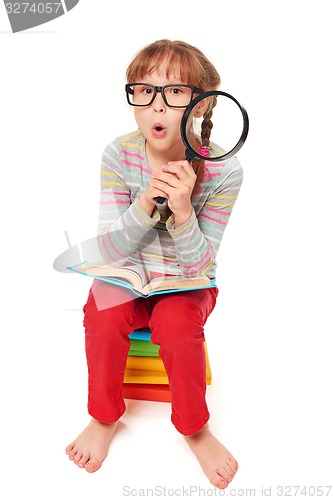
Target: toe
69,448
72,453
225,475
92,465
233,464
219,482
83,461
222,477
227,472
78,457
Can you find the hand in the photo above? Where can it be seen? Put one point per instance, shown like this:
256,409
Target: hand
176,180
147,198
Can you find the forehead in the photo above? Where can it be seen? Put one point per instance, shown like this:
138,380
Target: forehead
162,75
163,69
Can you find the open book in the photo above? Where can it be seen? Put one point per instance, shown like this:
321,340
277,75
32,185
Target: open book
139,280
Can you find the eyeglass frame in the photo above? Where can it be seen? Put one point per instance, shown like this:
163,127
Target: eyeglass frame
161,88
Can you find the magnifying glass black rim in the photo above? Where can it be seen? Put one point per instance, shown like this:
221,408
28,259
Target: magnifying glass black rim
194,154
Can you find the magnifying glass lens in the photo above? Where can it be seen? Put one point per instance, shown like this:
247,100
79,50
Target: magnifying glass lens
214,126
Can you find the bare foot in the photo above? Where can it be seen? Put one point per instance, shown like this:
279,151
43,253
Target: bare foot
216,461
91,447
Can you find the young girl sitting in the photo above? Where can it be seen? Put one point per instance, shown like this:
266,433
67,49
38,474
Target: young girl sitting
178,237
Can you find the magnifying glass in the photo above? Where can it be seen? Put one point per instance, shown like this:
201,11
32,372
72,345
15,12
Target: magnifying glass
228,134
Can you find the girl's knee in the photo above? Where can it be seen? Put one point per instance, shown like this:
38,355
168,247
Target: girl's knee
177,313
177,332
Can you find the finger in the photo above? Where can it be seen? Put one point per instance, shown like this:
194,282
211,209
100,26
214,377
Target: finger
182,189
181,163
162,186
170,179
181,169
157,190
186,179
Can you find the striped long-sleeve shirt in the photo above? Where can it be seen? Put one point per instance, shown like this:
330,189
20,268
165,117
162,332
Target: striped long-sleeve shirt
127,234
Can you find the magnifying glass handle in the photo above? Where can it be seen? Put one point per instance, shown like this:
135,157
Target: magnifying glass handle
159,199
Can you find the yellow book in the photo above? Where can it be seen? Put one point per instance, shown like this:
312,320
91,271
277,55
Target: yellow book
145,377
145,363
151,370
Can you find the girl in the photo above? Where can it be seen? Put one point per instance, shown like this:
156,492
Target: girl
178,237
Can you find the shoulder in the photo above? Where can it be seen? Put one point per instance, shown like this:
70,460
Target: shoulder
228,165
218,174
127,145
132,140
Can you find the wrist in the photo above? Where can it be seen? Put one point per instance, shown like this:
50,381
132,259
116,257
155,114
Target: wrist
147,205
180,219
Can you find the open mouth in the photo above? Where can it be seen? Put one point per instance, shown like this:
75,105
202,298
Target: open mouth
159,130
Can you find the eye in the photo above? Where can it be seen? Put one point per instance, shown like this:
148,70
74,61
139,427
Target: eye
143,89
176,91
147,90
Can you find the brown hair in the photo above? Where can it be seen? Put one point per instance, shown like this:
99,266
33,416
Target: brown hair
194,69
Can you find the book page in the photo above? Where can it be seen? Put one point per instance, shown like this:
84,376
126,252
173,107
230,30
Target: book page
172,283
135,274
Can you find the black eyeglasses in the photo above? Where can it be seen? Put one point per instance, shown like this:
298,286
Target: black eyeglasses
175,96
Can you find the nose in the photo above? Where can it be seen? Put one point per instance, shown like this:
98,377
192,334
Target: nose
158,103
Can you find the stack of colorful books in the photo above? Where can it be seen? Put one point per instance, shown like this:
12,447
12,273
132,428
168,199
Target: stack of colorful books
145,375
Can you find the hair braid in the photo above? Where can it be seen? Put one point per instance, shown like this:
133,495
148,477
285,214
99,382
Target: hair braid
207,124
206,128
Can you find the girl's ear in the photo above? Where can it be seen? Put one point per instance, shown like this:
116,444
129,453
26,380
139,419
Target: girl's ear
201,107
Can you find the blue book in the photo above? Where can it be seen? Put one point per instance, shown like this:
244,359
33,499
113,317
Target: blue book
141,334
138,279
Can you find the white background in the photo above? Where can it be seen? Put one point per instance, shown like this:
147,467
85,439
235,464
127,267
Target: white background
269,337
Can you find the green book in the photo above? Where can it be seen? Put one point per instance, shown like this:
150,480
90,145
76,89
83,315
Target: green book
143,348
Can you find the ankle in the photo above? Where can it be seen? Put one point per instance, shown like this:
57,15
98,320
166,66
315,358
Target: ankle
199,435
103,424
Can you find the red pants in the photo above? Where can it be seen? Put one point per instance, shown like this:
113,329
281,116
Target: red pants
176,321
